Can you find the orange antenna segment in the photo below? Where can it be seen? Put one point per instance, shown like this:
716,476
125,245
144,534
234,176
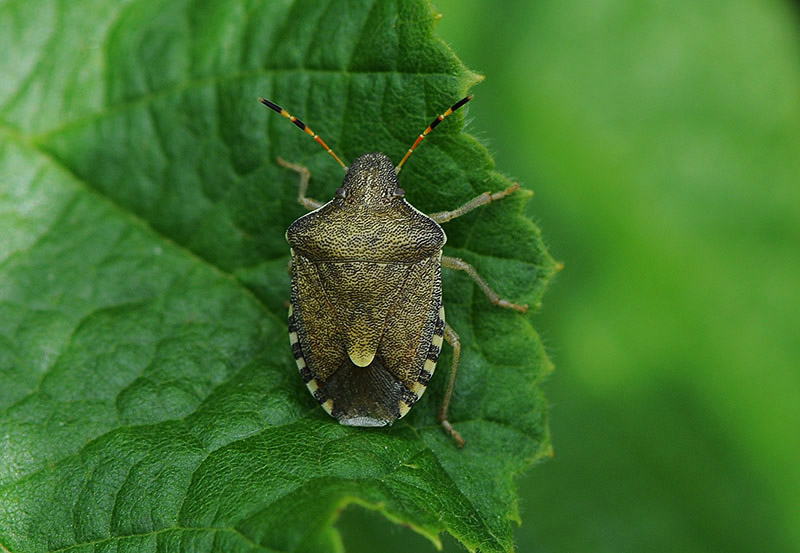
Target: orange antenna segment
303,127
432,126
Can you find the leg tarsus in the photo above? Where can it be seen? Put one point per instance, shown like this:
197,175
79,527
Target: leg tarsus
302,186
461,265
454,341
453,432
477,201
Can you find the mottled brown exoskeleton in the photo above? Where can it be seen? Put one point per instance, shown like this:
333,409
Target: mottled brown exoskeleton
366,320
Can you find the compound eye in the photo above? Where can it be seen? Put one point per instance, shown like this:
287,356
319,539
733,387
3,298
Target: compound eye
398,193
340,193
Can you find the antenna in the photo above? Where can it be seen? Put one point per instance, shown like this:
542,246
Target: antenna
432,126
303,127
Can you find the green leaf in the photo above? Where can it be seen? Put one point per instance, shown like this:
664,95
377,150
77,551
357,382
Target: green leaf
148,395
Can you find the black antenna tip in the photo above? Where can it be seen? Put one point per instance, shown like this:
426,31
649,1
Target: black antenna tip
270,105
461,102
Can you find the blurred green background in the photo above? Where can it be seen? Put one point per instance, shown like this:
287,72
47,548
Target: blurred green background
662,139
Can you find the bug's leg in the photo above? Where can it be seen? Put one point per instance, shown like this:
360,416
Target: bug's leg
477,201
302,186
461,265
452,339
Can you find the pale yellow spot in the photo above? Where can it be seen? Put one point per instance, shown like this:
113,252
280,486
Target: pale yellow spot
328,406
301,363
418,389
293,338
291,310
313,386
437,341
441,312
404,409
430,366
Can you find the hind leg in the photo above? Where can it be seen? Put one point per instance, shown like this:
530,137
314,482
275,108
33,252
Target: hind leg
454,341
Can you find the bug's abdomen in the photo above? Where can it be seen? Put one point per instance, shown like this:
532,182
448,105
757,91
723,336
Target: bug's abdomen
366,351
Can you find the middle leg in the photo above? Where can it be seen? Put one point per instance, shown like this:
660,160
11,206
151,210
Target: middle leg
461,265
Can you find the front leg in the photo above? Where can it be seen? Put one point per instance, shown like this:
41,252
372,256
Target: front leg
483,199
302,186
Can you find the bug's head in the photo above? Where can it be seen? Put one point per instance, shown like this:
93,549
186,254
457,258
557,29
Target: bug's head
370,181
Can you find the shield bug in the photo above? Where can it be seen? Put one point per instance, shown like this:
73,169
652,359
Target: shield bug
366,320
